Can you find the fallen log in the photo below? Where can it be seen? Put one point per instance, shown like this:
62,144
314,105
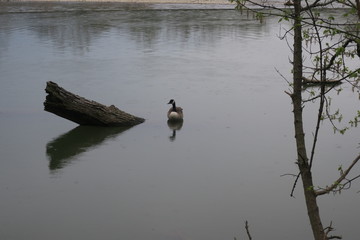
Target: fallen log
289,3
318,82
85,112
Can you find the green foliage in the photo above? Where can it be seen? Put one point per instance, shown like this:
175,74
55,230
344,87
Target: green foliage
331,18
339,50
354,122
350,12
310,188
284,18
259,16
306,34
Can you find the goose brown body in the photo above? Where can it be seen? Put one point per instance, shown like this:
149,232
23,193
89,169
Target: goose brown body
175,113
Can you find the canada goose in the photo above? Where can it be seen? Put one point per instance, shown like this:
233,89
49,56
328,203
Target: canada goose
175,113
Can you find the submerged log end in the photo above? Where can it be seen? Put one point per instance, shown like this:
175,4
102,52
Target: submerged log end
85,112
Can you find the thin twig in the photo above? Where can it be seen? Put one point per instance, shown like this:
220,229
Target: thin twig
247,230
294,186
339,180
329,229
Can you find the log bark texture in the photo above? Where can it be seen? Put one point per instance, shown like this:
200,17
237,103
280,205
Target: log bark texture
83,111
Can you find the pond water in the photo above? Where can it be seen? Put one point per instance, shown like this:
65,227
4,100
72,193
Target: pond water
224,165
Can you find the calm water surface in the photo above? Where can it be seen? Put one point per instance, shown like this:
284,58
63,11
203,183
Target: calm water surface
61,181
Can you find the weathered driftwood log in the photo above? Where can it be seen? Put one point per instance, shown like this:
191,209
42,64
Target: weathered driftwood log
85,112
318,82
289,3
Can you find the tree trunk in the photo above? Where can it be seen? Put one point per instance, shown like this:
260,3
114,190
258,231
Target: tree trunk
85,112
302,158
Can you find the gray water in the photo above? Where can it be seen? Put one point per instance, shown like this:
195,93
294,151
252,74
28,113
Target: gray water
224,165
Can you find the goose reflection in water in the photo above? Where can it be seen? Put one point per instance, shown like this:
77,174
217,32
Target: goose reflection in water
174,126
62,150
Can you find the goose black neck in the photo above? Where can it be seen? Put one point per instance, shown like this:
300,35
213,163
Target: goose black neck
174,107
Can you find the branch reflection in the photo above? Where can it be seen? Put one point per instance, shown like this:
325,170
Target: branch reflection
62,150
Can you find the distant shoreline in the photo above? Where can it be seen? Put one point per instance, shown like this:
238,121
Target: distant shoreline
222,2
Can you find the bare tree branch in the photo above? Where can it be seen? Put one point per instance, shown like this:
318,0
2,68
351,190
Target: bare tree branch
294,185
247,230
339,180
330,229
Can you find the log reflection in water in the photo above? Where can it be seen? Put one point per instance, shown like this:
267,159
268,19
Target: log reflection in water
62,150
